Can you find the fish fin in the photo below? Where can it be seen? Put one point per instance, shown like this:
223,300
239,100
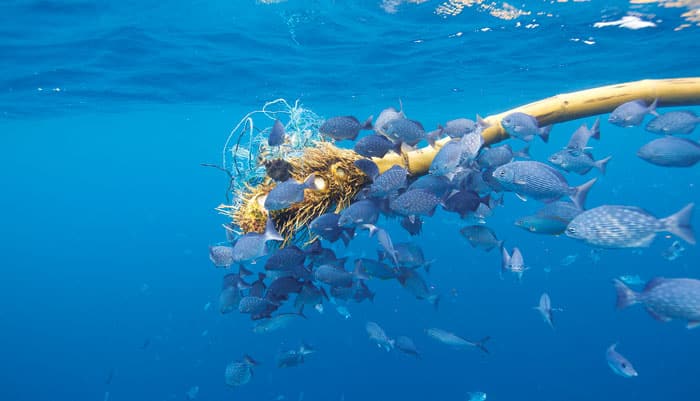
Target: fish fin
242,271
595,129
482,123
544,133
372,229
679,224
310,182
345,237
481,344
521,197
434,136
581,192
625,296
405,148
602,164
658,316
652,107
692,324
653,283
523,153
367,125
271,233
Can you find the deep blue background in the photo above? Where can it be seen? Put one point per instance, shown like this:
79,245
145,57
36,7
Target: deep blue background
106,214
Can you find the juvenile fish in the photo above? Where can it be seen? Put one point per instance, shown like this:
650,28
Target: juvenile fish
345,127
613,226
547,225
632,113
618,363
671,151
460,127
674,123
276,322
524,126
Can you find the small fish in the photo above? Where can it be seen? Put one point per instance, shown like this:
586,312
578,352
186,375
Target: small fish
674,123
294,357
406,345
513,263
384,240
374,146
568,260
387,115
368,168
388,182
579,139
545,309
460,127
254,305
631,279
343,311
524,126
611,226
462,202
326,226
481,237
454,340
287,193
547,225
360,212
500,155
439,186
286,258
240,372
409,255
577,161
276,322
416,202
345,127
539,181
277,134
671,151
674,251
282,287
221,255
377,334
665,299
476,396
279,170
310,295
632,113
252,245
403,130
416,285
413,226
618,363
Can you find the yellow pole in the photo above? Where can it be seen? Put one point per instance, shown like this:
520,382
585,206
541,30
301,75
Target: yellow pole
561,108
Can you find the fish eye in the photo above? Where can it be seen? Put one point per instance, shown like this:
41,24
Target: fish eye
502,173
624,365
571,230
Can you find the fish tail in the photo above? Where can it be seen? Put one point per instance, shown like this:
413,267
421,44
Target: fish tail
368,123
581,192
271,233
310,183
595,129
481,344
652,107
544,133
602,164
625,296
679,223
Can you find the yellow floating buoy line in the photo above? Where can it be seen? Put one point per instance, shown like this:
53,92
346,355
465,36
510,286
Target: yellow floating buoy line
340,181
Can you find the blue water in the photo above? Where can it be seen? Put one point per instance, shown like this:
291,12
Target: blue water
108,108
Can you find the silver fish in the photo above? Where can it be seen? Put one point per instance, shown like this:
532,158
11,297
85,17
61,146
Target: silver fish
539,181
631,279
671,151
513,263
613,226
240,372
665,299
524,126
674,123
618,363
377,334
276,322
579,139
577,161
454,340
545,309
632,113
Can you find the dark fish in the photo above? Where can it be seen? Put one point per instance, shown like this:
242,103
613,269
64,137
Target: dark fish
456,341
277,135
670,151
674,123
377,334
287,193
388,182
374,146
360,212
415,284
577,161
257,288
368,167
627,226
632,113
500,155
403,130
252,245
513,263
665,299
409,255
279,170
362,292
406,345
280,288
334,276
375,269
481,237
254,305
285,259
539,181
524,126
294,357
240,372
462,202
326,226
276,322
310,295
618,363
221,255
416,202
439,186
579,139
229,298
412,225
346,127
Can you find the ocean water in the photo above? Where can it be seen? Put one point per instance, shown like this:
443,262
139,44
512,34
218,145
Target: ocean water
107,110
